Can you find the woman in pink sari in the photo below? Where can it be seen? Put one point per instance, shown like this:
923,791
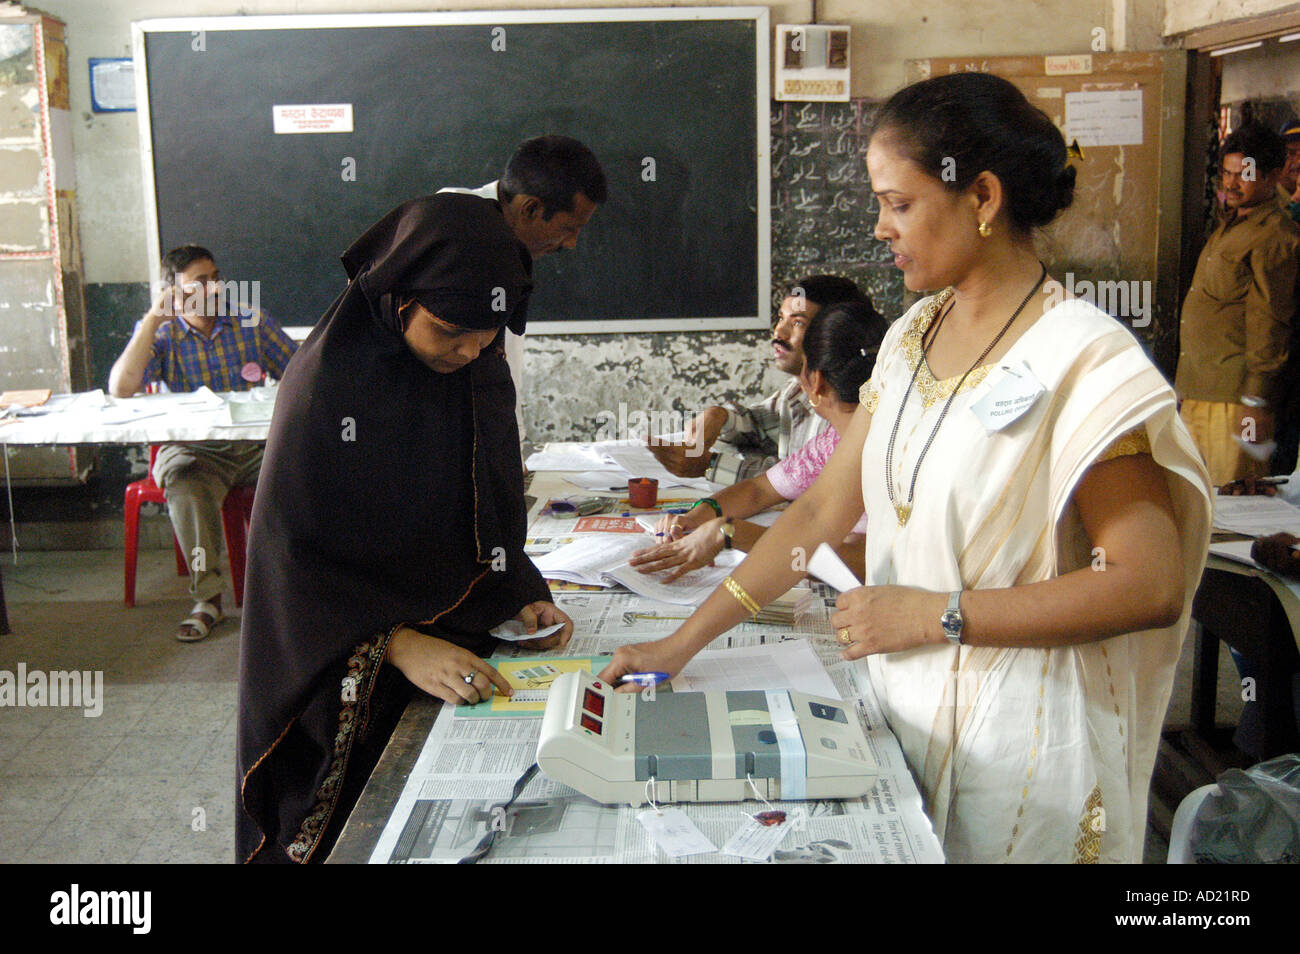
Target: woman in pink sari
840,348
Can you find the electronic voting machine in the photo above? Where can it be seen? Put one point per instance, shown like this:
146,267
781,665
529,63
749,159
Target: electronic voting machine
701,746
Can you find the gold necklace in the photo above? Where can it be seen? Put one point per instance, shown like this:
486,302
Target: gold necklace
904,511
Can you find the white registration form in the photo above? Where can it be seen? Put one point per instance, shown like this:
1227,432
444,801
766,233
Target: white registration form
791,665
1256,516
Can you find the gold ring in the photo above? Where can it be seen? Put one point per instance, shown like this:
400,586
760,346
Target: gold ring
843,636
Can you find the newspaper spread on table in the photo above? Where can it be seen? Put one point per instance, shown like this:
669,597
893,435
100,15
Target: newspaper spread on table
468,767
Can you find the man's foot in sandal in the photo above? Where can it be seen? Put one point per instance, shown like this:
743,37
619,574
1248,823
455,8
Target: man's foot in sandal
203,618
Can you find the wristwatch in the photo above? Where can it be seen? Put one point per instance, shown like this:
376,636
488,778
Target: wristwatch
728,531
951,620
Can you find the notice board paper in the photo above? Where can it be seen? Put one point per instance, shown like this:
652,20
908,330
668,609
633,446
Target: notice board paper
1104,117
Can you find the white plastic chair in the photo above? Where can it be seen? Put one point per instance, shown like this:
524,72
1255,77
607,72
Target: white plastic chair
1180,832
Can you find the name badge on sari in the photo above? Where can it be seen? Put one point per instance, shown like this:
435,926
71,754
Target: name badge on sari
1010,398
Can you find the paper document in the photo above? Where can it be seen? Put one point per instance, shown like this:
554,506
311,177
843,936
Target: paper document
1256,516
600,481
129,415
580,457
203,396
1238,551
512,631
1104,117
689,589
601,559
587,559
827,566
791,665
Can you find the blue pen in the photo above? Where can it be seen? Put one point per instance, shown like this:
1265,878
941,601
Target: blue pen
645,678
642,513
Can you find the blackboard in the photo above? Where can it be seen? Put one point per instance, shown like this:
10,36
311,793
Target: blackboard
823,211
670,105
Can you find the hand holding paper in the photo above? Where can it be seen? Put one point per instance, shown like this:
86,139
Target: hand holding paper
827,566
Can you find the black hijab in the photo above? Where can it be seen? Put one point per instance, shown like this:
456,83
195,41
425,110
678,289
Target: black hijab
390,494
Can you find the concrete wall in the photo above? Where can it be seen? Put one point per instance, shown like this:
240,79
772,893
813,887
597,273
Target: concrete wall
1270,72
1184,15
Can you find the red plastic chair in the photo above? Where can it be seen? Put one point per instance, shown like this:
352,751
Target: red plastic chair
236,511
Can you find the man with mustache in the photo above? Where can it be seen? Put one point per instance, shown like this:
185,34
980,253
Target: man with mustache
1236,319
776,426
197,335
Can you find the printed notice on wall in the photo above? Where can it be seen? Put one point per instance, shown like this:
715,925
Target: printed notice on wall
1104,117
318,118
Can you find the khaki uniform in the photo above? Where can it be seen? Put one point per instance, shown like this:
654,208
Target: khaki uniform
1236,333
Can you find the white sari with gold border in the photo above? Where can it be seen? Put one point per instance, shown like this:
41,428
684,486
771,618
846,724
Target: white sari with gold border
1027,755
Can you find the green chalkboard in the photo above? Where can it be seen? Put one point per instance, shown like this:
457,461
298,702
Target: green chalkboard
671,107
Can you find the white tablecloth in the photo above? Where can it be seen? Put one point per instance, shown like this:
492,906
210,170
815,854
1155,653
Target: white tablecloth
95,418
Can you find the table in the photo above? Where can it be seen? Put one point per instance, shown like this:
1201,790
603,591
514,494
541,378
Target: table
1255,613
90,418
911,833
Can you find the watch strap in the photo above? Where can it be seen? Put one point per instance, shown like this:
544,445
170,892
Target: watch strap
952,621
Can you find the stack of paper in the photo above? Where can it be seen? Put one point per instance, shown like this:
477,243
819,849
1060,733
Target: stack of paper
618,459
587,559
784,609
601,559
1256,516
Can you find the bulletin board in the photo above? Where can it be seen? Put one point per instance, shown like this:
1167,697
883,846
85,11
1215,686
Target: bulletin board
1127,112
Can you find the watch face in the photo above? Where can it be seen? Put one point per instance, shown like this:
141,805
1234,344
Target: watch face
951,622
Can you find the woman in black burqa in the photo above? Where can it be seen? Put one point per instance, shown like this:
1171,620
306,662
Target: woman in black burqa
388,529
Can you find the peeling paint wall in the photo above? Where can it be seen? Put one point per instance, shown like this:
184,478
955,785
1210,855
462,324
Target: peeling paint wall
572,380
1184,15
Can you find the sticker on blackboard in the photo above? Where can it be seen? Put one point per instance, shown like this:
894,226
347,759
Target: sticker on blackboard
313,118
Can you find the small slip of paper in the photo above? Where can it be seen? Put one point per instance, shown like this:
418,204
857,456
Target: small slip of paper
512,630
755,841
675,833
1015,394
827,566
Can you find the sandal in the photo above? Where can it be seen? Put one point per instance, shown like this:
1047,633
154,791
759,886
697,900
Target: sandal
197,628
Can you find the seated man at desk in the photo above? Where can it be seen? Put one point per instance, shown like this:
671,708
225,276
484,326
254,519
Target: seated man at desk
195,334
782,422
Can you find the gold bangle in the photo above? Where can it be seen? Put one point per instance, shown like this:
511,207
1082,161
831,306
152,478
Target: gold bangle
745,600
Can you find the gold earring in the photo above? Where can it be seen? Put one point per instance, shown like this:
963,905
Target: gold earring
814,403
985,230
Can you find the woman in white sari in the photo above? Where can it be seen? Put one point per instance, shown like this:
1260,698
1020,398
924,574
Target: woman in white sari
1038,516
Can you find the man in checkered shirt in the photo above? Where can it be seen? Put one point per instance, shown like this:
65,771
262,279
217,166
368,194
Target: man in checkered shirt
198,334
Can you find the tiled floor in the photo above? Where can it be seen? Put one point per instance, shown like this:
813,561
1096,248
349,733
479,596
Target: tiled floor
151,779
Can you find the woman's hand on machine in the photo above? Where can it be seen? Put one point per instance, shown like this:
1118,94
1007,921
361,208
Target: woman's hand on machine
662,655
